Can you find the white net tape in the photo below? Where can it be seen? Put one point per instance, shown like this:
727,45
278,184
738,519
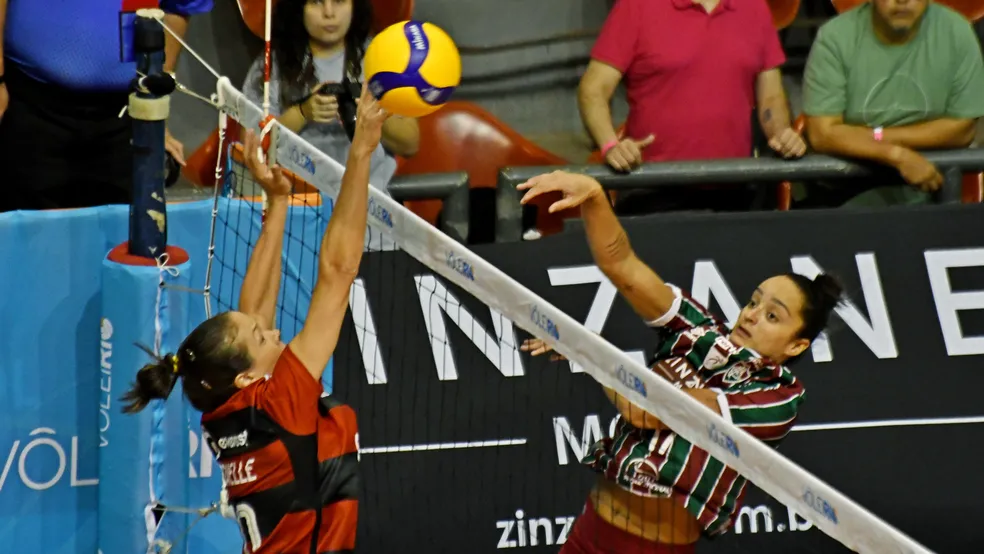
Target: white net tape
830,510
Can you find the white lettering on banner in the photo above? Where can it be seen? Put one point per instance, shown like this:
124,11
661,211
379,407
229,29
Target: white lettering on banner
538,531
30,479
105,378
365,332
948,302
238,473
501,350
760,519
876,333
601,306
591,433
205,457
708,281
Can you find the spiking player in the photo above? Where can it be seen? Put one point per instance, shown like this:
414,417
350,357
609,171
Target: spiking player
657,492
288,456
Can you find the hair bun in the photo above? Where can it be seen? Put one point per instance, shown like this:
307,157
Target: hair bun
829,288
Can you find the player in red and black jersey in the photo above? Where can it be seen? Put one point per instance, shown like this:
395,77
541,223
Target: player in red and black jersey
288,452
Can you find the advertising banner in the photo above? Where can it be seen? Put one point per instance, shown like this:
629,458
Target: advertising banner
471,446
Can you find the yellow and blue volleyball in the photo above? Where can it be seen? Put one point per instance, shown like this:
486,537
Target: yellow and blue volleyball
412,68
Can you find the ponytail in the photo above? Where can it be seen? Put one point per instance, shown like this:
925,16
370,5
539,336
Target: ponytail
821,295
154,381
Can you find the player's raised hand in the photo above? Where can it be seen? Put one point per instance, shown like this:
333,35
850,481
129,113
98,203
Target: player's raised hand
369,119
537,346
576,189
273,180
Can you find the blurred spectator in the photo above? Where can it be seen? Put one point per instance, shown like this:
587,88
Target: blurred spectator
316,44
693,72
63,143
884,80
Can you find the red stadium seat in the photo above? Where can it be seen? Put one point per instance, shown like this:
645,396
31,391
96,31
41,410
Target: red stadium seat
783,12
388,12
254,14
461,136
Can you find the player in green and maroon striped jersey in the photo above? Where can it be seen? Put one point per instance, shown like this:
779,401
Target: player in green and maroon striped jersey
656,491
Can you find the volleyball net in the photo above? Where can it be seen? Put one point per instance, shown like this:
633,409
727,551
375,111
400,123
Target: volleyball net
462,295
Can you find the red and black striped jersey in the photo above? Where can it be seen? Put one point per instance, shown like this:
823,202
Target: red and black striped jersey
289,463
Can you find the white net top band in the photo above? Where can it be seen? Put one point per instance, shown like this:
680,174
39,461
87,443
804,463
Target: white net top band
855,527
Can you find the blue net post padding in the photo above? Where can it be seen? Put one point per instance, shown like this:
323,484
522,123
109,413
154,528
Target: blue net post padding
143,458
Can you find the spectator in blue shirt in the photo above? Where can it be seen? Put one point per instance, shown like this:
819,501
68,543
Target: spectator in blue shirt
63,143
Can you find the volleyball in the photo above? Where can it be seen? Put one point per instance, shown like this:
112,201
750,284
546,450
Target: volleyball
412,68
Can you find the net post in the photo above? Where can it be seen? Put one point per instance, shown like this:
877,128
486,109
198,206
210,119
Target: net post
149,106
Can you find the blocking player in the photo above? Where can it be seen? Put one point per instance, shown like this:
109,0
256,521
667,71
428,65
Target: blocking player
288,454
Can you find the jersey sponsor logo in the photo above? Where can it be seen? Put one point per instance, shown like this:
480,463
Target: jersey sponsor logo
680,372
533,531
737,373
695,333
234,441
715,359
719,353
643,475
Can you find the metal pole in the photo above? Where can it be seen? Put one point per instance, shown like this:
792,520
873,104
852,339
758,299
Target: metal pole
149,106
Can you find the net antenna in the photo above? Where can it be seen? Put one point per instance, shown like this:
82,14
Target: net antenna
268,128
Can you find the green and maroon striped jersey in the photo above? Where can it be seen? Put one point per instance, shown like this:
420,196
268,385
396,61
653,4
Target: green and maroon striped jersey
755,394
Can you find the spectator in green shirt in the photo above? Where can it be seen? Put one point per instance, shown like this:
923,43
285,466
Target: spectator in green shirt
885,80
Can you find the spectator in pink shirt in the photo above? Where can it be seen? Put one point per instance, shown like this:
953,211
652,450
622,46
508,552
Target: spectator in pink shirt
694,70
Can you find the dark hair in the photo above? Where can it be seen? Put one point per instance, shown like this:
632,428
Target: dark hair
208,362
820,296
290,46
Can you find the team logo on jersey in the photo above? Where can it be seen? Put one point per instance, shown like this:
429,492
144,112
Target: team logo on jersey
737,373
643,475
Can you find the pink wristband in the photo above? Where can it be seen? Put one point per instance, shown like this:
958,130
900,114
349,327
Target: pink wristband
608,146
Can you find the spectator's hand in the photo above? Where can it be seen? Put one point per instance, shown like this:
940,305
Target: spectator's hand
320,108
273,181
575,188
627,154
174,147
4,99
369,120
788,143
536,347
918,171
